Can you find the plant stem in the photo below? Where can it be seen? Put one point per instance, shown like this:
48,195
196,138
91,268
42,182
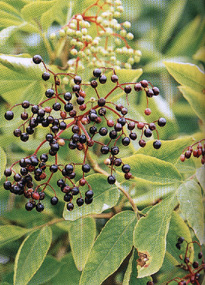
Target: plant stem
97,168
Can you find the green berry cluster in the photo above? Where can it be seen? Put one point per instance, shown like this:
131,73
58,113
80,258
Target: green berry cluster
96,38
87,120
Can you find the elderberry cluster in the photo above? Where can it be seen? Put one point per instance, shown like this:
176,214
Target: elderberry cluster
68,110
192,269
96,38
199,151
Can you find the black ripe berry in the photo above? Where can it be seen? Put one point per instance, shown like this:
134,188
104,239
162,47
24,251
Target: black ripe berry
54,200
37,59
147,133
94,83
111,179
113,134
29,206
39,207
7,185
126,141
9,115
67,96
162,122
17,133
127,89
180,240
80,202
101,102
89,194
53,168
77,79
115,150
49,93
75,190
200,255
25,104
126,168
97,72
24,137
150,283
70,206
56,106
195,264
103,79
86,168
7,172
114,78
88,200
157,144
46,76
133,136
103,131
178,245
104,149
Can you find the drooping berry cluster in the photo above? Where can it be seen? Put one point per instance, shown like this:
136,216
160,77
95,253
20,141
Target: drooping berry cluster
199,151
71,111
194,268
108,44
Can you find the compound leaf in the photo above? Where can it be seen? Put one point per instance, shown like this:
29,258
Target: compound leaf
10,233
111,247
191,205
82,233
49,268
152,169
187,74
31,255
68,272
150,236
195,99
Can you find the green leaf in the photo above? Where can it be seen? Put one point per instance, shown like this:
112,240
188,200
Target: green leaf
191,36
31,255
200,54
46,12
68,272
195,99
169,23
105,197
111,247
187,74
150,236
200,176
20,76
131,272
49,268
191,205
169,269
2,162
170,151
9,16
82,233
152,169
10,233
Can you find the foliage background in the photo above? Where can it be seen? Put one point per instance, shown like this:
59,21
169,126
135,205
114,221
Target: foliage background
164,31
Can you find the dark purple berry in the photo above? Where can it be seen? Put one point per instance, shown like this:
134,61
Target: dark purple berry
111,179
45,76
9,115
37,59
54,200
